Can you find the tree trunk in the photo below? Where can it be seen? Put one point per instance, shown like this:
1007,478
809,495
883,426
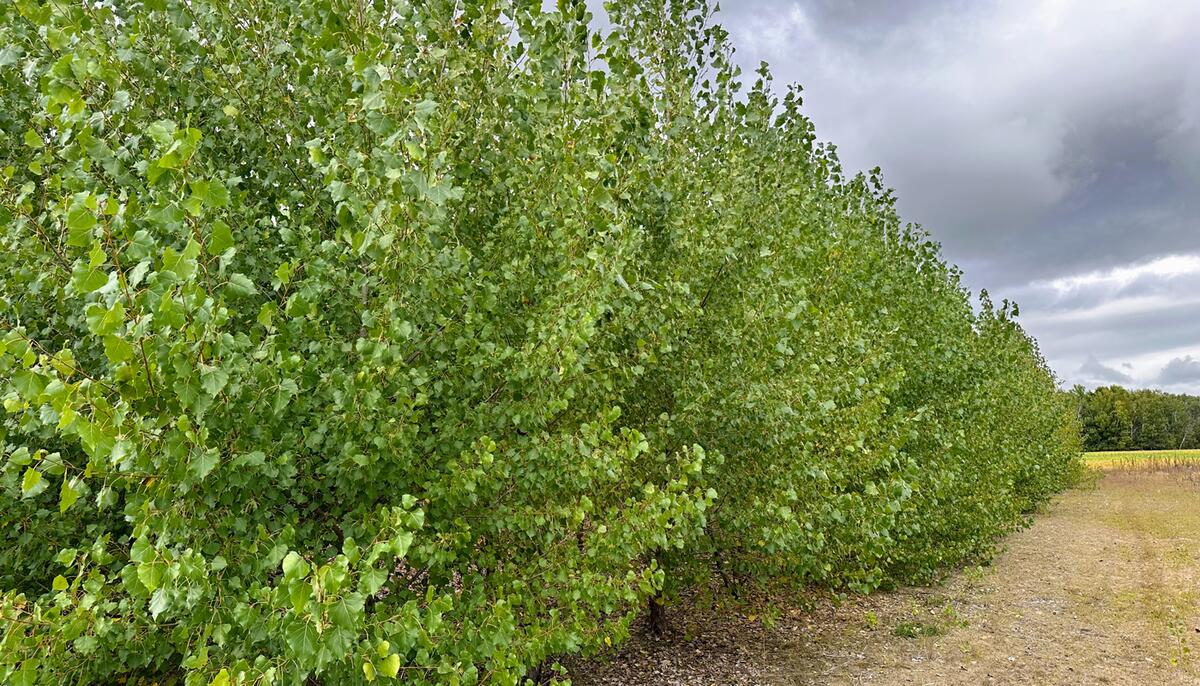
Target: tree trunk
658,614
538,675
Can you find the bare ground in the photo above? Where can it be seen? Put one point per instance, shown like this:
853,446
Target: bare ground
1103,588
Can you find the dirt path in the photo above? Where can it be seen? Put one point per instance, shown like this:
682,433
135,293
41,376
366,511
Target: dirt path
1104,588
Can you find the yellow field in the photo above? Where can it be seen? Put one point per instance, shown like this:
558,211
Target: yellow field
1142,459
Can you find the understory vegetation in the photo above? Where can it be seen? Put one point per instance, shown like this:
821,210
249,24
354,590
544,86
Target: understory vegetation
367,340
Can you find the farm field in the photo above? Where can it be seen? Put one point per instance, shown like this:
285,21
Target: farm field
1101,589
1141,459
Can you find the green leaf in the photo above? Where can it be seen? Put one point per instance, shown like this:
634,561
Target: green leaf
300,592
347,611
303,640
239,284
27,674
141,550
9,55
151,574
401,542
20,457
68,494
162,131
88,279
80,222
213,379
197,660
221,238
371,580
103,321
159,602
221,679
373,100
29,384
294,567
181,264
117,349
423,111
390,666
59,583
86,645
211,193
97,439
142,245
203,462
31,482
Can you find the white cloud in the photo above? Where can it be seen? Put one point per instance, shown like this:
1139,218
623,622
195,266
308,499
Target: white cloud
1137,318
1167,267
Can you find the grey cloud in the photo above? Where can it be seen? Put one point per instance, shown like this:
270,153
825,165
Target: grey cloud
1144,313
1098,373
1121,336
1180,370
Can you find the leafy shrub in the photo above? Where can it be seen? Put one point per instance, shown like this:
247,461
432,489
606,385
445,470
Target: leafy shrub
362,340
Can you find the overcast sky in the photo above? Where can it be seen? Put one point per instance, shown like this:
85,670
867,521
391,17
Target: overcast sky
1051,146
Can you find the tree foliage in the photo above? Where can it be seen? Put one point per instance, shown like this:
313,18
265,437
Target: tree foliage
359,340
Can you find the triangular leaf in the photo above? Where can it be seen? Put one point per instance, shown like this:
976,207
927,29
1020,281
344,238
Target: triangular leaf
221,238
68,494
31,483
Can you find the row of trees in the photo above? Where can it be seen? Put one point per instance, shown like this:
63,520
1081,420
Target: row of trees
358,340
1115,418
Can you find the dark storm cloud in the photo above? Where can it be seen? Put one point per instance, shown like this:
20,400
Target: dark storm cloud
1009,129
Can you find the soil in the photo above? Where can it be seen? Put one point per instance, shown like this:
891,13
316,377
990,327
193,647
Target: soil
1102,588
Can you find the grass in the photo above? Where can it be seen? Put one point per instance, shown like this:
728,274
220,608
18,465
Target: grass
1142,459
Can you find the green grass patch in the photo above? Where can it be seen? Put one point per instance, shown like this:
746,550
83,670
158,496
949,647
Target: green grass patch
918,629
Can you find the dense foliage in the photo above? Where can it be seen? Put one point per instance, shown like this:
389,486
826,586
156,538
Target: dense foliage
357,340
1116,418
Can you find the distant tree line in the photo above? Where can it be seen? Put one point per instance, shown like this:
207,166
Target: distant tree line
1116,418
